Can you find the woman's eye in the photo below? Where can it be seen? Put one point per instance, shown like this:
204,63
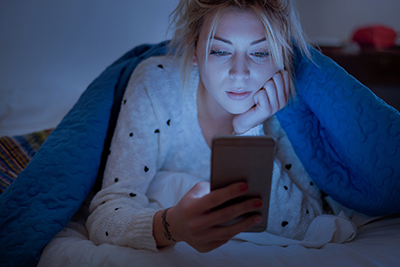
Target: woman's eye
219,53
260,54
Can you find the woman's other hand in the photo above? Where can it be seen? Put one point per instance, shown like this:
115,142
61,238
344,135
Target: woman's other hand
192,220
268,100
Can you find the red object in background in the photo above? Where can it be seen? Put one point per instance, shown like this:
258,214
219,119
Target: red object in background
376,36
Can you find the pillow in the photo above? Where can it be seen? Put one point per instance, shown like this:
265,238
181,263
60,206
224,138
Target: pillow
15,154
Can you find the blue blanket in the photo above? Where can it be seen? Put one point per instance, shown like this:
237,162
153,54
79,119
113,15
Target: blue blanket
347,139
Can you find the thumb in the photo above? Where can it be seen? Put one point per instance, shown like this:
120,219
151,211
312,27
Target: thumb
200,189
254,116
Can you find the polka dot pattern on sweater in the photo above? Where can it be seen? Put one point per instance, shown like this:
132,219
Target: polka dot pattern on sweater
166,122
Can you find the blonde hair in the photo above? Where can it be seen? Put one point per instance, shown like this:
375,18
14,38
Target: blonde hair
279,18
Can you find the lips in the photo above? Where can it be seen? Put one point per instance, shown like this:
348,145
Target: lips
238,95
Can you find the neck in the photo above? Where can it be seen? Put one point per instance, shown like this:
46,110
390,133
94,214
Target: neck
213,119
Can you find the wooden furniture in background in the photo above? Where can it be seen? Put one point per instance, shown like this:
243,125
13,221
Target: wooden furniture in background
379,70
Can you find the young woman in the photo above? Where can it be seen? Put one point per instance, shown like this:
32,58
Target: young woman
232,72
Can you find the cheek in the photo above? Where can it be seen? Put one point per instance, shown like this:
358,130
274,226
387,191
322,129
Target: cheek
263,74
212,76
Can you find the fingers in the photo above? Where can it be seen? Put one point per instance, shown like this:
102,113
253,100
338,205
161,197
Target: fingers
222,195
222,215
254,116
262,102
192,220
208,233
277,89
272,95
232,211
286,81
227,232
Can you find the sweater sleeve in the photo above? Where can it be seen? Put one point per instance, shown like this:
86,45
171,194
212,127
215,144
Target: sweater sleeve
255,131
119,212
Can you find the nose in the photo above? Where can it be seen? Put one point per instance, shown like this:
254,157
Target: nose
239,69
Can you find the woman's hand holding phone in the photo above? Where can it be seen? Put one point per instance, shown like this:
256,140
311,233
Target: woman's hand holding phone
268,100
193,221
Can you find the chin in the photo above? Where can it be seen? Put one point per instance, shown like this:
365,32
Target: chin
236,110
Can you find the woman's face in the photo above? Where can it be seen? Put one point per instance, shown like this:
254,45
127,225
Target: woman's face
238,64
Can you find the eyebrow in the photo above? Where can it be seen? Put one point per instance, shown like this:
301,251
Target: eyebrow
229,42
258,41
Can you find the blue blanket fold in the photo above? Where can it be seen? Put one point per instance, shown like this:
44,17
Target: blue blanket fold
347,139
45,196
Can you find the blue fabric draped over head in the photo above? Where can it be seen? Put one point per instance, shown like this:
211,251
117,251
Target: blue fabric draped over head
347,139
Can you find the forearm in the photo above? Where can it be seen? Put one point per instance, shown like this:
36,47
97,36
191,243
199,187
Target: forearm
123,222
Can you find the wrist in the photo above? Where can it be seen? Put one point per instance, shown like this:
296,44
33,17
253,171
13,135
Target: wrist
237,129
172,225
167,226
254,131
162,228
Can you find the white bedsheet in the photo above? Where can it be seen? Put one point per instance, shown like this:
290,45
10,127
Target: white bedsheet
377,244
345,239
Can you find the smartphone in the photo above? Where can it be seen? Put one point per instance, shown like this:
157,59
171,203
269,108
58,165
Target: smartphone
247,159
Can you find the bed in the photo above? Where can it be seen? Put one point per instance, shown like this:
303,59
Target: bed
44,207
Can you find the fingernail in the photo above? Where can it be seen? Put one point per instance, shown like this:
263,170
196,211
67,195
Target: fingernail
244,188
258,220
258,204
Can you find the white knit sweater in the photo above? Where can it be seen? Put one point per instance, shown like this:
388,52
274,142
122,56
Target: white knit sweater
158,139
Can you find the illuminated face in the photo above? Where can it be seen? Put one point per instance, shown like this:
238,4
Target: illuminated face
238,64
